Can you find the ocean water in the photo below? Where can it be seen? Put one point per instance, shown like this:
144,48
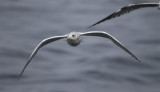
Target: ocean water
96,65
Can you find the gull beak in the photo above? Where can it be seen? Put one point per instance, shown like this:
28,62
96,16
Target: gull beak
67,37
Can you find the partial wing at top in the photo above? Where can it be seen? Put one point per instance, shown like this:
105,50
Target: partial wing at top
114,40
128,9
41,44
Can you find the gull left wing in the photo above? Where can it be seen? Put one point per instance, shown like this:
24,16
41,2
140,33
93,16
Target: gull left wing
41,44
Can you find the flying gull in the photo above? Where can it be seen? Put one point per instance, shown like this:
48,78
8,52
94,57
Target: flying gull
128,9
74,39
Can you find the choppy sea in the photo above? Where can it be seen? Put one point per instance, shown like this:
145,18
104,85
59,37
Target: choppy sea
96,65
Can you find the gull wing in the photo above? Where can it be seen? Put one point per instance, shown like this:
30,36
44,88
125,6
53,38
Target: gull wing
127,9
114,40
41,44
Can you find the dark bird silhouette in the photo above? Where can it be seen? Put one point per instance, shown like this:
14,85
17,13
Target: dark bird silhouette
127,9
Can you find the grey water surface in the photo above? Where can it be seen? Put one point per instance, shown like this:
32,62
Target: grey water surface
96,65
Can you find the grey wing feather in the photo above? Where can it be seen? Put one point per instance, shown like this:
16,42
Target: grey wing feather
114,40
41,44
127,9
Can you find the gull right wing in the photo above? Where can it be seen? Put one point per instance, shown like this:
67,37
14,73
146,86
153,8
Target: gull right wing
114,40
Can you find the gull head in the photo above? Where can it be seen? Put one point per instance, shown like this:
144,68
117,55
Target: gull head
74,38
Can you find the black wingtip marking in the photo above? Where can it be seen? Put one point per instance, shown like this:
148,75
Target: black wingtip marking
93,25
21,74
136,58
97,22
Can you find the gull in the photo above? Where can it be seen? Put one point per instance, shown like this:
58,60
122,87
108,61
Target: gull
127,9
74,39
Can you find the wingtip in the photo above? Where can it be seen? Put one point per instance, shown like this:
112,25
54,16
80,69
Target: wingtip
91,26
94,24
21,73
19,77
137,59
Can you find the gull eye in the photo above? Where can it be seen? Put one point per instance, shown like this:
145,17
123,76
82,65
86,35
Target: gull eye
73,35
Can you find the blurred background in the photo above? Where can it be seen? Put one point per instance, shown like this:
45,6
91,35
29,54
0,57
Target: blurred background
96,65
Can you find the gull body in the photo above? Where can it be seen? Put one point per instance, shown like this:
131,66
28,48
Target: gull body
74,39
127,9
